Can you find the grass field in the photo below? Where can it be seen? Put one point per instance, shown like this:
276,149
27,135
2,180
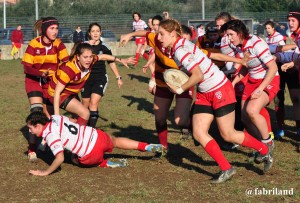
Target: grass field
182,177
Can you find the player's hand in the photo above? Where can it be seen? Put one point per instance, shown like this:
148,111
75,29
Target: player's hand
256,93
130,60
120,83
117,164
246,58
152,86
287,66
124,39
38,172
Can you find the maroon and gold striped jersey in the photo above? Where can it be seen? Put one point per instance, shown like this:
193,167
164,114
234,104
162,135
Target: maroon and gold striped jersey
41,57
70,74
163,58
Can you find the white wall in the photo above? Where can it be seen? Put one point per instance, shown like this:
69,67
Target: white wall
128,50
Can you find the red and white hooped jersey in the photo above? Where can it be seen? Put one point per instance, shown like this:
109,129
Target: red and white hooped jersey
62,134
187,55
226,49
139,25
274,40
260,55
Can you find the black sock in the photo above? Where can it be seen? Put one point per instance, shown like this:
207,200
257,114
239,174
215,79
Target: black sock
93,118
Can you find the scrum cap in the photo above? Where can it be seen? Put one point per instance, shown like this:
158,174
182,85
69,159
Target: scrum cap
47,22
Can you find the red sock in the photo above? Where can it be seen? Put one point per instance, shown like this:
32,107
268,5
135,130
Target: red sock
31,148
82,121
264,112
103,164
137,57
145,56
253,143
162,132
142,146
213,149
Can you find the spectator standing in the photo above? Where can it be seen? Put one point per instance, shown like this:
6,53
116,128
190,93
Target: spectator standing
78,35
17,39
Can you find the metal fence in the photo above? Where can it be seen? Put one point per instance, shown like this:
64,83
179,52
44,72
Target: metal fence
122,23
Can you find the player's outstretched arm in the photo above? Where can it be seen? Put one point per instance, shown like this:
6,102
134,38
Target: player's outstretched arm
59,159
125,61
126,37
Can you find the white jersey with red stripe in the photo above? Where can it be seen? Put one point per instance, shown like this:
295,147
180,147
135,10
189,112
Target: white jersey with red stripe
260,55
226,49
274,40
187,55
62,134
139,25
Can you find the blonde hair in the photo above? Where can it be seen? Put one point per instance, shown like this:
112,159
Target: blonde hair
38,26
171,25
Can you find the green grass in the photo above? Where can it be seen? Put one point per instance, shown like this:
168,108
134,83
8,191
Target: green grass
127,112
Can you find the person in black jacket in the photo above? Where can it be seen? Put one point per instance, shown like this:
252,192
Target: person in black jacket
78,35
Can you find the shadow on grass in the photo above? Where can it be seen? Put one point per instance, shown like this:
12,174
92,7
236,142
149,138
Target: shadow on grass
176,153
142,103
139,78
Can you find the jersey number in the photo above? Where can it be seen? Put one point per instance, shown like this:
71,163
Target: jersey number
72,128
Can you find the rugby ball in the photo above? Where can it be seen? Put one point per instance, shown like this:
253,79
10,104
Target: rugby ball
175,77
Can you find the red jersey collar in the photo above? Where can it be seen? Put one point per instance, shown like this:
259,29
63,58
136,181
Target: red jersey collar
244,43
174,45
44,127
270,36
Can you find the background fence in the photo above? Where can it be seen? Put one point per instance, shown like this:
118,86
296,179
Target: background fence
122,23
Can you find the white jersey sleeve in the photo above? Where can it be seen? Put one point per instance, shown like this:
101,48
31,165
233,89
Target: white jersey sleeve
188,55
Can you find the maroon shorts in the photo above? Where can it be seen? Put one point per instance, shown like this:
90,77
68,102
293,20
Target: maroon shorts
64,99
36,86
140,40
252,84
164,92
102,145
218,98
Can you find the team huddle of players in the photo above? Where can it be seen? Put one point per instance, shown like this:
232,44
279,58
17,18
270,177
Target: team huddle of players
235,74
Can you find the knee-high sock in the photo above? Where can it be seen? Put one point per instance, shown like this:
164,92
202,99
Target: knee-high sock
93,118
137,57
142,146
145,55
253,143
264,112
162,132
213,149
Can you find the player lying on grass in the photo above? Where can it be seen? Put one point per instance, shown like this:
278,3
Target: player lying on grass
87,144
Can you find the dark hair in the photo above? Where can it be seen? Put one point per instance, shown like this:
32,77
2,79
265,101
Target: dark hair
271,23
90,28
186,30
238,26
37,117
224,16
139,15
157,17
78,49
